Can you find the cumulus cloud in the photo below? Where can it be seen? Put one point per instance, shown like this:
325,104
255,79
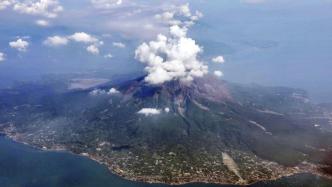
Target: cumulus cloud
105,4
113,91
218,73
80,37
42,23
171,58
218,59
175,56
149,111
2,57
119,44
19,44
93,49
83,37
47,8
56,41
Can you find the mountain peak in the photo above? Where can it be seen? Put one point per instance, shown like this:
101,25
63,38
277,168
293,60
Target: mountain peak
208,87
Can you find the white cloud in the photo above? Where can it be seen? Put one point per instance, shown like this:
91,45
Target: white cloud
179,15
47,8
119,44
83,37
105,4
218,73
185,10
2,57
19,44
167,17
171,58
113,91
42,23
218,59
178,32
97,92
5,3
109,55
149,111
80,37
56,41
93,49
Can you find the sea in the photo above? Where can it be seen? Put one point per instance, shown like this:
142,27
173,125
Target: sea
24,166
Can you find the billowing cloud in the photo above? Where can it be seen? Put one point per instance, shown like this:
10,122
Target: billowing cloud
149,111
171,58
218,73
42,23
19,44
218,59
106,4
47,8
2,57
83,37
119,44
56,41
93,49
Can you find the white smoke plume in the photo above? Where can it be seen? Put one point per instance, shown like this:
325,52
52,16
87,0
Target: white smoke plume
173,57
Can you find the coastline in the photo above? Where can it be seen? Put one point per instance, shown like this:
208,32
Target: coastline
145,179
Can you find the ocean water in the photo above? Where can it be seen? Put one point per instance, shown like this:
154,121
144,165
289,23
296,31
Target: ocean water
24,166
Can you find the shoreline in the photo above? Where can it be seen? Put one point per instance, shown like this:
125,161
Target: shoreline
142,179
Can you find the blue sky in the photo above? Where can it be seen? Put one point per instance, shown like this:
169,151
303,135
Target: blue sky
275,43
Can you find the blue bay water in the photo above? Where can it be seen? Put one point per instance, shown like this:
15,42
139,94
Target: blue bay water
24,166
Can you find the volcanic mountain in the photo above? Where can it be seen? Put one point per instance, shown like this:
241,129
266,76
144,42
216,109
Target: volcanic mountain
207,131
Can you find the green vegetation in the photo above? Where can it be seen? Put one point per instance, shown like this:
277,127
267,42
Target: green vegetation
267,131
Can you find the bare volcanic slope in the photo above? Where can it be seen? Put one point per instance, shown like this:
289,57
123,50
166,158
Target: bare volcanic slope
208,131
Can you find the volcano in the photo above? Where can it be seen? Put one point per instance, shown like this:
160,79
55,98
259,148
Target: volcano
208,130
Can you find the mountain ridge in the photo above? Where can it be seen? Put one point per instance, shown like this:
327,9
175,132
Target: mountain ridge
215,131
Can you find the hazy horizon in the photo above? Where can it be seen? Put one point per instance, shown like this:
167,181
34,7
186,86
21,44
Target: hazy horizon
283,43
